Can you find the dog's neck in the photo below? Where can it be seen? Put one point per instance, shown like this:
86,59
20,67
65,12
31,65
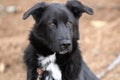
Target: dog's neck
70,63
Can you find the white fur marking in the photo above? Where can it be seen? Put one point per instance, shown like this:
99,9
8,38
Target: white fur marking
56,73
52,67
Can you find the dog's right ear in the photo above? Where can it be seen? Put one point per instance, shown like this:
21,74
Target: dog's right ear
36,11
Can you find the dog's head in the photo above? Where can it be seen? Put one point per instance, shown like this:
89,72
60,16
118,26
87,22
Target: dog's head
57,24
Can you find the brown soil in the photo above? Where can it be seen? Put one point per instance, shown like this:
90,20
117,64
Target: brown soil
100,45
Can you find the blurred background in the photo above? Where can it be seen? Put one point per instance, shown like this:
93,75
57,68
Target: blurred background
99,37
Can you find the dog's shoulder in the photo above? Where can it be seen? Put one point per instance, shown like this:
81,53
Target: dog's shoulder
86,73
30,55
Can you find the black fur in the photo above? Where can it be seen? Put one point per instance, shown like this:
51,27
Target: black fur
45,40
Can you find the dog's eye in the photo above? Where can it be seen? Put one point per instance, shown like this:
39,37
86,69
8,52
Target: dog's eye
69,24
52,25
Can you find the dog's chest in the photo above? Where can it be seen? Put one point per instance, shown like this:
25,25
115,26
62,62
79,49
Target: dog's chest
48,64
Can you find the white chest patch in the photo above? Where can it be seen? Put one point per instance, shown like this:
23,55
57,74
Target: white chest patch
48,64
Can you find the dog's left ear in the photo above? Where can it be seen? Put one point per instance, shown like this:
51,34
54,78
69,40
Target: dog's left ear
36,11
77,8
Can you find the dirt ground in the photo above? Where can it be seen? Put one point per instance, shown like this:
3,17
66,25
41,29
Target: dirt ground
99,37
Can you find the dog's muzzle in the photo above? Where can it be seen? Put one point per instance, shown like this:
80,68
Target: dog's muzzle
66,46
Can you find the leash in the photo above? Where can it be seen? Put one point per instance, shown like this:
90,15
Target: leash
40,70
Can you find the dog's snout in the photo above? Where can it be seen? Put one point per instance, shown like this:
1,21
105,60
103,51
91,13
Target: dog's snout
65,44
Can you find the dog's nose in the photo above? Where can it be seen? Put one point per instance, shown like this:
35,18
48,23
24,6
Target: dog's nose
65,44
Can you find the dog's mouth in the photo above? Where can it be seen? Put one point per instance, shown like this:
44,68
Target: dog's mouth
63,52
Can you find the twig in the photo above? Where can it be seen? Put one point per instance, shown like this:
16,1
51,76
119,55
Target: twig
110,67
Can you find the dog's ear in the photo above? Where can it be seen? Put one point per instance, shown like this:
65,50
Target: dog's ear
36,11
78,8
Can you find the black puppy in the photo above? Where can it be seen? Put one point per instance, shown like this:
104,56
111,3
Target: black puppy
56,31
